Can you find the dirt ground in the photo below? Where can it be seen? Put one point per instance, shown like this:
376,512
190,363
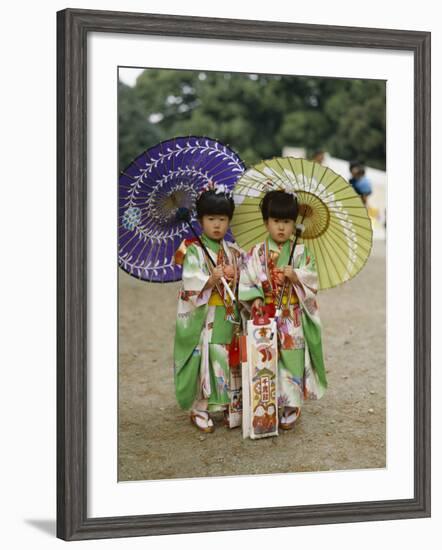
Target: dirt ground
344,430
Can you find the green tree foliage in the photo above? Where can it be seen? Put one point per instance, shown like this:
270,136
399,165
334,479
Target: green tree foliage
257,115
134,129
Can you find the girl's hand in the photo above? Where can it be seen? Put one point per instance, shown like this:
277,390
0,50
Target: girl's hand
229,272
216,275
290,273
278,273
257,306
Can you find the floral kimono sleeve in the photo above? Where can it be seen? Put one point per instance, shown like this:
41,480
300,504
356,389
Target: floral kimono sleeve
306,289
194,278
251,276
192,307
307,286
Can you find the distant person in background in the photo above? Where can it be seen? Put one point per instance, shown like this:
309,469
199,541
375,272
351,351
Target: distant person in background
359,181
318,156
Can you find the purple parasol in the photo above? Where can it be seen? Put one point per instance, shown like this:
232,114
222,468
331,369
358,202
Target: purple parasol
166,177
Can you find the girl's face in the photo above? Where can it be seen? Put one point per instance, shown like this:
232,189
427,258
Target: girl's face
215,226
280,229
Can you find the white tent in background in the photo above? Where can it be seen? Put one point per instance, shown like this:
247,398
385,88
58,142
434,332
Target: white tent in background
378,178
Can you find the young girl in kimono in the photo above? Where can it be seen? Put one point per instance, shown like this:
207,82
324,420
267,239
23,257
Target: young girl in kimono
206,320
301,372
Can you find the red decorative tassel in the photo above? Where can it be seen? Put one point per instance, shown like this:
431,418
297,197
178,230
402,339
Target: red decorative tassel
234,358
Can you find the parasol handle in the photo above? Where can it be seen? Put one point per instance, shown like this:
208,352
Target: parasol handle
299,230
229,290
224,282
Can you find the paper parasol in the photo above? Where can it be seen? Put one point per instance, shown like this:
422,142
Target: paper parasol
162,179
337,227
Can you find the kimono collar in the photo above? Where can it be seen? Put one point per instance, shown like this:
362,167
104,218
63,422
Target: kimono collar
210,243
276,248
282,251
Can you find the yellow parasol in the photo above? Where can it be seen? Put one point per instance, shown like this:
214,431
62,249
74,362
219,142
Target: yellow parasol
337,227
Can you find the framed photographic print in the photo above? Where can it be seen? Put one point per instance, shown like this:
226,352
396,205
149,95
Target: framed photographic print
167,127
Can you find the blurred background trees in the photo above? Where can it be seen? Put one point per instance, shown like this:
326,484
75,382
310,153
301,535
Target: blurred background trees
257,115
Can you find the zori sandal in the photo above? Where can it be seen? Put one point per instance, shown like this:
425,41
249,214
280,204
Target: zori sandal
202,420
287,421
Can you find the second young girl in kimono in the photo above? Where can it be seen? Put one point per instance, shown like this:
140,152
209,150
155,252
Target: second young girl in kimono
206,319
266,272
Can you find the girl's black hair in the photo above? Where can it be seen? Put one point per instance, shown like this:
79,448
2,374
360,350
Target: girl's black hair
209,203
280,205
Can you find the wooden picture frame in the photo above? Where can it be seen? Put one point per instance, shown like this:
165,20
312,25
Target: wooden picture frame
73,27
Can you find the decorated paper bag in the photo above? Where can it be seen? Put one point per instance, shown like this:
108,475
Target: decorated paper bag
259,357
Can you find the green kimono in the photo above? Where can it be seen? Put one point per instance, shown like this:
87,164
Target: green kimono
203,332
